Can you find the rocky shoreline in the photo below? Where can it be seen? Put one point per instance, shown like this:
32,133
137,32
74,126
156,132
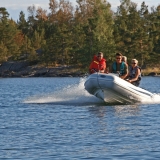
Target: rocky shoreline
24,69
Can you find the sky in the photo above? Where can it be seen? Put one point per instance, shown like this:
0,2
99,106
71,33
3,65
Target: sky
15,6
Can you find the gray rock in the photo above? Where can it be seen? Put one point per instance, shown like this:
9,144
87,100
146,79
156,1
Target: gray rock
23,69
152,74
13,66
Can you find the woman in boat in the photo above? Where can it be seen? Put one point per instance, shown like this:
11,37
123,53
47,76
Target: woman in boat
119,67
98,64
134,75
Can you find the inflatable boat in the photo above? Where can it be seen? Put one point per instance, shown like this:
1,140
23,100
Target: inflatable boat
112,89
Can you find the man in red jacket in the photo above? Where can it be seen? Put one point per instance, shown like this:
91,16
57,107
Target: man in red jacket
98,64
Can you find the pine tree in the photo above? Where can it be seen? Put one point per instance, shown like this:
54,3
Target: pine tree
97,27
22,23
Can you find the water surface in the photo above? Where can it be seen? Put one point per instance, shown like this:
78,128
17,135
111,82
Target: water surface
55,118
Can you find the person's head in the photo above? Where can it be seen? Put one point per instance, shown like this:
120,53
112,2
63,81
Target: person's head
119,57
134,62
124,59
100,55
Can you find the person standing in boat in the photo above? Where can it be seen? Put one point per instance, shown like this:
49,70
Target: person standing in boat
98,64
134,75
119,67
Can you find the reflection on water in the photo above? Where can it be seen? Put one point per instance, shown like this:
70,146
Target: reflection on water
121,127
98,111
120,111
127,110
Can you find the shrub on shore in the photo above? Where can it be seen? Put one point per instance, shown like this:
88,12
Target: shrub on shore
150,70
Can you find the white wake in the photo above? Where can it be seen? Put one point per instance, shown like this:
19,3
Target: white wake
71,94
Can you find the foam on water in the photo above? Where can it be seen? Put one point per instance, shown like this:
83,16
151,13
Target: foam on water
71,94
155,99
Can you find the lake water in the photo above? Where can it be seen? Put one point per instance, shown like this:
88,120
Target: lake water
55,118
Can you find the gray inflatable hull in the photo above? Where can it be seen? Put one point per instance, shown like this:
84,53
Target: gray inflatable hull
112,89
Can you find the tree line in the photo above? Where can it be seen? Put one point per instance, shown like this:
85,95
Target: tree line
71,35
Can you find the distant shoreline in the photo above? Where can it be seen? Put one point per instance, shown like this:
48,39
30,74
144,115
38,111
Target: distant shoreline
24,69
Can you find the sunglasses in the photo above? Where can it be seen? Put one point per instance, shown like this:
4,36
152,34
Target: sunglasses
99,56
133,63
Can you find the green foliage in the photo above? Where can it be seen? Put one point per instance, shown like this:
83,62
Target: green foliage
3,52
71,36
